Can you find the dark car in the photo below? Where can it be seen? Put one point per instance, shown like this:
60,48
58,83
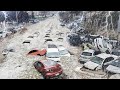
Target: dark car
48,68
116,52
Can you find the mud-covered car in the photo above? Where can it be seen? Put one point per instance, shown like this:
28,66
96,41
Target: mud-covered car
63,51
116,52
98,61
113,67
48,68
86,55
53,53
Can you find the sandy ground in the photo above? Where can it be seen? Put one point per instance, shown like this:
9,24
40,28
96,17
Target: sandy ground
17,65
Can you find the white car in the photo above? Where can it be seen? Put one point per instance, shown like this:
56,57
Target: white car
114,66
63,51
99,60
86,55
52,52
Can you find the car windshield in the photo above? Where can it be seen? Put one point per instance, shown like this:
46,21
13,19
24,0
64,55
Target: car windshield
63,52
49,63
87,54
116,63
53,55
97,60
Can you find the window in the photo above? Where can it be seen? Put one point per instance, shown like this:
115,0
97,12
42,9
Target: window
49,63
108,59
97,60
39,64
87,54
104,43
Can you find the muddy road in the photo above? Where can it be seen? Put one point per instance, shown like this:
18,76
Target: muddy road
17,65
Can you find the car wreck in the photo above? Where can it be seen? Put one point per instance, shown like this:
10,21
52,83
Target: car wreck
113,67
48,68
63,51
98,61
37,52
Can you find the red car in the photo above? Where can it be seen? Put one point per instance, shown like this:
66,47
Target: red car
38,52
48,68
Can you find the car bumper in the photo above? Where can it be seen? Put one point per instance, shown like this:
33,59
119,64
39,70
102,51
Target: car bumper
51,75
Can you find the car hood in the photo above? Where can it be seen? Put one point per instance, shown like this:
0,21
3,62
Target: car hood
91,65
113,69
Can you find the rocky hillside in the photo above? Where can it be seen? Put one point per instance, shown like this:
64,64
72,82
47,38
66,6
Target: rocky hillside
94,22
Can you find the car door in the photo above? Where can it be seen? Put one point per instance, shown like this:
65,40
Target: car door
106,62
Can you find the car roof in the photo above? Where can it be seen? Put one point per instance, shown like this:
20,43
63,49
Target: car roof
89,50
52,50
52,46
104,55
